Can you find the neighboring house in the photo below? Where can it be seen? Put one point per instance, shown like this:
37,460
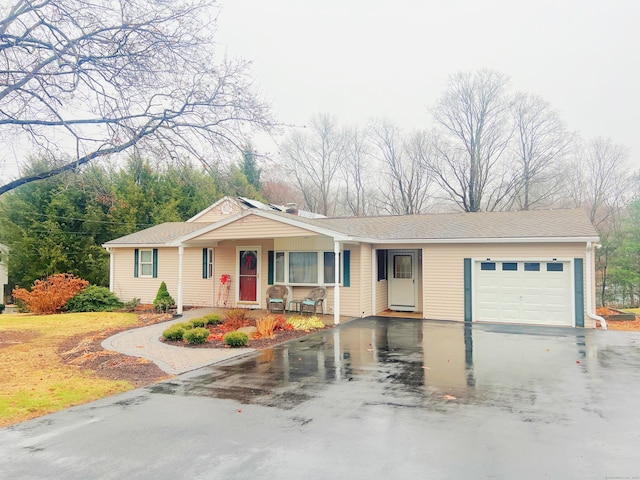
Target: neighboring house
528,267
4,277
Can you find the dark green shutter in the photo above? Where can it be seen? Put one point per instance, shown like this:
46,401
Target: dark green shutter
468,314
205,263
136,257
346,262
270,261
155,263
579,291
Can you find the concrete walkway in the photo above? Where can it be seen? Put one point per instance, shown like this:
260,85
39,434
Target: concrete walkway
145,342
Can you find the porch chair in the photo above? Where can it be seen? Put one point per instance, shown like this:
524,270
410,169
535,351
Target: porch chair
277,298
314,300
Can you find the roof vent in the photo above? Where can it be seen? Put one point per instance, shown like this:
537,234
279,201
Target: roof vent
292,208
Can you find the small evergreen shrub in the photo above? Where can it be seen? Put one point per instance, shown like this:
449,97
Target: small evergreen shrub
236,339
131,304
196,336
212,319
163,301
93,299
197,322
305,323
177,331
1,307
174,332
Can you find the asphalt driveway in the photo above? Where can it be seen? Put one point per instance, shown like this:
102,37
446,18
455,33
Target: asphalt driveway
376,398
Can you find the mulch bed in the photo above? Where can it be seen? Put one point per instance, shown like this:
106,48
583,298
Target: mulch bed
625,325
280,336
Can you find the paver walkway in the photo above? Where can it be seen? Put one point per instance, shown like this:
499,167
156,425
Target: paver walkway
145,342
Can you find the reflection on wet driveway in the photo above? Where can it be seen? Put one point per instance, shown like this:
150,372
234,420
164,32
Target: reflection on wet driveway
377,397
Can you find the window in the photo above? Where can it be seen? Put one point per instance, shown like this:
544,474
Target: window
509,266
402,266
279,267
532,266
382,264
488,266
310,268
146,263
329,267
303,267
555,267
207,263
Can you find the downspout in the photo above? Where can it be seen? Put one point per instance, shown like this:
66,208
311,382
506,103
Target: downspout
590,313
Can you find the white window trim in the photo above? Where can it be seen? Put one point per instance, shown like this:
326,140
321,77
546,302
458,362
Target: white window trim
141,263
320,263
210,263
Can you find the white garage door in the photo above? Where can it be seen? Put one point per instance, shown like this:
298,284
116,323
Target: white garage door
530,292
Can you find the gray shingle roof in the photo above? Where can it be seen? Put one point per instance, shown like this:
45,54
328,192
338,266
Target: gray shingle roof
159,234
564,223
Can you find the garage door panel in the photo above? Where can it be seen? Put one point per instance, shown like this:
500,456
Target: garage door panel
519,295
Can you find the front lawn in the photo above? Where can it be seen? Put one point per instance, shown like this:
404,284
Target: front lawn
35,379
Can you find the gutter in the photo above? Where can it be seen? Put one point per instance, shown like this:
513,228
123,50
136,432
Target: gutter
590,313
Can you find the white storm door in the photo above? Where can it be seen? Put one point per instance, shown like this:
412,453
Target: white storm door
402,284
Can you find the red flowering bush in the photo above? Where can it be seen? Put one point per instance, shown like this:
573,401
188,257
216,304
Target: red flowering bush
52,294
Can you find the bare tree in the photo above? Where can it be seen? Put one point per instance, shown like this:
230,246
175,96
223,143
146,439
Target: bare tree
356,170
540,146
473,117
313,157
98,77
600,181
405,160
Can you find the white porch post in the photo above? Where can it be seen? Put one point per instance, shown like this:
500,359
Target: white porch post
180,255
336,290
374,279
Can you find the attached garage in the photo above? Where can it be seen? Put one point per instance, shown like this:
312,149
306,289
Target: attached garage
537,292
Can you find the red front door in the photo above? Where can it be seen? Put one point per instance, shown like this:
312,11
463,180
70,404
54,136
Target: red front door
248,275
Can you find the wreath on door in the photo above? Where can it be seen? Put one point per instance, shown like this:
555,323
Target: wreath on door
249,260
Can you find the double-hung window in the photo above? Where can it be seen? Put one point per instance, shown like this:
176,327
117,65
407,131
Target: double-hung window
146,263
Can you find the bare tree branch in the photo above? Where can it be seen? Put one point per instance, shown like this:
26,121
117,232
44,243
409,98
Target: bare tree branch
99,77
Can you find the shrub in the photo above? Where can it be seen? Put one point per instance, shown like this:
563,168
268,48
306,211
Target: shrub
176,331
281,322
131,304
93,299
305,323
235,339
1,308
196,336
266,325
212,319
50,295
163,301
173,333
235,319
197,322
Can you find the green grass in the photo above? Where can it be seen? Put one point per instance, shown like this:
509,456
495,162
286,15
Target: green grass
631,310
34,379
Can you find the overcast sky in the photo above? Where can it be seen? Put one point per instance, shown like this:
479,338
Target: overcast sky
358,59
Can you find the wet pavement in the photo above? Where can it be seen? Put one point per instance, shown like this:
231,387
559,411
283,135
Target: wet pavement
375,398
